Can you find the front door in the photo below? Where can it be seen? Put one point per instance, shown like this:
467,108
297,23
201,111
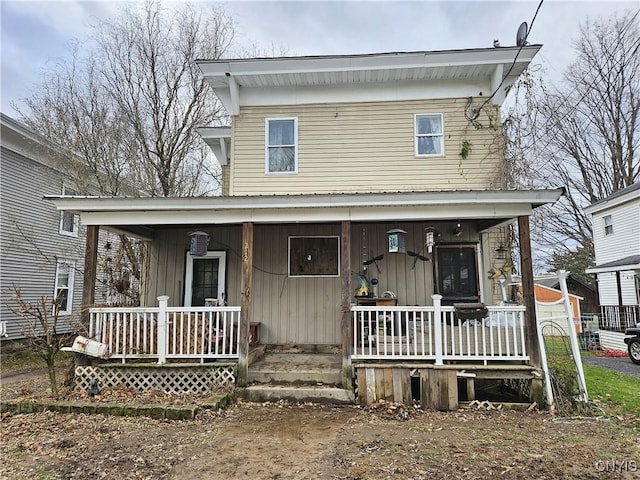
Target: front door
204,278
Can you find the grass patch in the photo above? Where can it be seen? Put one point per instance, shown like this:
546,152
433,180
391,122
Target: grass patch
16,360
22,360
616,392
620,393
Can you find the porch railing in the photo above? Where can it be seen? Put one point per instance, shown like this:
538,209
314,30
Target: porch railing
617,318
161,333
434,333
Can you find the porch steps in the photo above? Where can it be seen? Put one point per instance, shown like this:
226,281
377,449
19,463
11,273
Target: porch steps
299,393
296,368
301,377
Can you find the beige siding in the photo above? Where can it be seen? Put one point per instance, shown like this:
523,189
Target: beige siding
224,189
360,147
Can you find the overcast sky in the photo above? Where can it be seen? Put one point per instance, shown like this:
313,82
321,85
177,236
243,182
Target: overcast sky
35,33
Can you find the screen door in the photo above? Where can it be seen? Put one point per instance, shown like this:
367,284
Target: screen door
204,278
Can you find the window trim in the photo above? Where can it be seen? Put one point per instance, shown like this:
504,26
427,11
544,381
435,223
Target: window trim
70,233
76,220
221,255
416,136
290,275
72,267
449,299
607,222
267,145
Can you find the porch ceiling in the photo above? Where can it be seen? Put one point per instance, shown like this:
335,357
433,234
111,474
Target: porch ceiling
487,207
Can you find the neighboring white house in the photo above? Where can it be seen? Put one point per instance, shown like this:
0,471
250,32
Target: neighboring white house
616,237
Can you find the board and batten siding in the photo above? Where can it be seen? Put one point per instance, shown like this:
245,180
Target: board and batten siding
30,239
367,147
625,239
300,310
608,288
167,263
628,288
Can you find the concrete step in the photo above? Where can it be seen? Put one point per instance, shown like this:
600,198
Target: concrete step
316,394
298,376
296,368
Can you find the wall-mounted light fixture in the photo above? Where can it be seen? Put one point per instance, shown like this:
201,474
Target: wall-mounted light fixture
501,252
429,238
396,240
458,230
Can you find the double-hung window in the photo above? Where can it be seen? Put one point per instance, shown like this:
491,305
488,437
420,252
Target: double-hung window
608,224
68,221
63,293
429,134
281,145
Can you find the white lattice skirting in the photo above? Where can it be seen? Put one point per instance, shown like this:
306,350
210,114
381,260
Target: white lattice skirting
174,380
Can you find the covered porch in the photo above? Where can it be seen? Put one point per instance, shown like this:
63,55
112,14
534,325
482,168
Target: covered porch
270,303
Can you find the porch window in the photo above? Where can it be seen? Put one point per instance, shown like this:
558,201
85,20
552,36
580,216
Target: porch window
457,273
429,135
314,256
63,293
608,224
281,145
68,221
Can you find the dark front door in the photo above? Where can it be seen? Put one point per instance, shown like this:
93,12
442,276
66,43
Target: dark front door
457,273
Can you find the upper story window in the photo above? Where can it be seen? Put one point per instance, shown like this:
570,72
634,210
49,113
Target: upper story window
68,221
429,134
281,145
63,293
608,224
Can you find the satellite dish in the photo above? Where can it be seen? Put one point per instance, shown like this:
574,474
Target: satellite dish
521,36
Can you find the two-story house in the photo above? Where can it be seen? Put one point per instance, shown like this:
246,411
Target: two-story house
616,240
363,196
42,248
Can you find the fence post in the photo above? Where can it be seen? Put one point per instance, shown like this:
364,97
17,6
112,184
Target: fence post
162,329
437,328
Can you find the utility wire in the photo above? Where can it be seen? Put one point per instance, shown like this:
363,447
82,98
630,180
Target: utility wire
574,107
522,45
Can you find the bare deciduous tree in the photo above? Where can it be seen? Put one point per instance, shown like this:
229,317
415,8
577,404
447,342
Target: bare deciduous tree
583,134
41,329
130,106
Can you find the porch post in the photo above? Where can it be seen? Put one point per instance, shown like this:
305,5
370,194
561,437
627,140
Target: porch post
246,282
528,296
90,270
163,324
437,327
345,324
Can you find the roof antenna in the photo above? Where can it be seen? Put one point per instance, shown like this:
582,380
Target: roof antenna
521,36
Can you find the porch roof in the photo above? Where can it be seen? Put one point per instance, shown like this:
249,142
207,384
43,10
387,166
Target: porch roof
488,207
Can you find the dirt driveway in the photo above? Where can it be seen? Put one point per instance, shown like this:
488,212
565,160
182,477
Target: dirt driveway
284,441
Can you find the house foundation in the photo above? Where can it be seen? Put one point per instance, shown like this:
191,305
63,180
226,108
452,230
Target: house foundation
437,387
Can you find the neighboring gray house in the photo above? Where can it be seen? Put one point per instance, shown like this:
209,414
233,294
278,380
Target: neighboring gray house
42,249
616,238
